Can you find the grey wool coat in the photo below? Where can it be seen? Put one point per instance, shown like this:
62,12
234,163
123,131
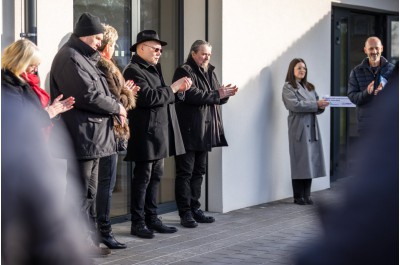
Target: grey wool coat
305,145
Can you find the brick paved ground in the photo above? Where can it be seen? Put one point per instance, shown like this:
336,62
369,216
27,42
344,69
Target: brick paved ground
270,233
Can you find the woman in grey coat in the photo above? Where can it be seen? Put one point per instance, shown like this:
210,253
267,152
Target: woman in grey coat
305,146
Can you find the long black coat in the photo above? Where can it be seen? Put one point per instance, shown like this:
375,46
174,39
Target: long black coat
89,123
153,124
198,111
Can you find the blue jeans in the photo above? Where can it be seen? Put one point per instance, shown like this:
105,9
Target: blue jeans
145,182
105,187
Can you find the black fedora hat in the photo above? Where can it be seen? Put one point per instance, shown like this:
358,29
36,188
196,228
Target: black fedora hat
146,35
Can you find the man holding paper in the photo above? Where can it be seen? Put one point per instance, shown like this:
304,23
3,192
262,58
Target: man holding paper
367,81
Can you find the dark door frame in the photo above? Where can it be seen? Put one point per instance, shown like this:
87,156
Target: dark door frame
339,60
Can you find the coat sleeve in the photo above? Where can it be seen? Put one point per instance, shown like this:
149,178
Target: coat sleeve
148,96
195,95
75,81
357,95
295,102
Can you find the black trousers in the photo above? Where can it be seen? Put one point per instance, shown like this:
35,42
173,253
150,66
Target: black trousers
105,187
82,183
301,188
190,168
145,182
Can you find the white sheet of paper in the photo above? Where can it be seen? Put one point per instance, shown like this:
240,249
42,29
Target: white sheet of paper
339,102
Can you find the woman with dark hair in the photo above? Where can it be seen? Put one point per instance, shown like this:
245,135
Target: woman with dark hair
305,146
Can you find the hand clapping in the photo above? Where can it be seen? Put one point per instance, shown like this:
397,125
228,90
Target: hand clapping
181,85
227,91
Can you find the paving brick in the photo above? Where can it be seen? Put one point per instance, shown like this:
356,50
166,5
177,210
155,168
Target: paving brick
270,233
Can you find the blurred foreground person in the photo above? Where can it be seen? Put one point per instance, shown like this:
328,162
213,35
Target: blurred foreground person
36,224
365,229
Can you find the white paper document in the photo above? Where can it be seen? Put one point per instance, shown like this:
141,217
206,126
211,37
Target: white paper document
339,102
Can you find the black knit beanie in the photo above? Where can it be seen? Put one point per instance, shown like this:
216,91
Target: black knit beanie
88,25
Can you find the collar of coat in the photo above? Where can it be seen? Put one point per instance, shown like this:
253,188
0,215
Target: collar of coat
139,60
365,62
10,78
83,48
109,65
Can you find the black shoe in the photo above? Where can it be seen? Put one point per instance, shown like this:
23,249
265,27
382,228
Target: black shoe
299,201
309,201
110,241
154,223
199,216
188,221
139,229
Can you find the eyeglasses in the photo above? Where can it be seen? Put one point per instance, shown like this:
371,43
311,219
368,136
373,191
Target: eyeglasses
155,49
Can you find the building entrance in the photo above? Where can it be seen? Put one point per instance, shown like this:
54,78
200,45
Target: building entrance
350,29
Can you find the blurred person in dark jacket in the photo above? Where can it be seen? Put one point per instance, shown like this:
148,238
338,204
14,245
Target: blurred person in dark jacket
155,129
36,224
367,80
200,120
365,228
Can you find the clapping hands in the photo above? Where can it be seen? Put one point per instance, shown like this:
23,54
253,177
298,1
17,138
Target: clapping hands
227,91
181,85
130,85
59,106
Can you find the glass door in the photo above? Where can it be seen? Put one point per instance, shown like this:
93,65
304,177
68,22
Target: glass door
116,13
350,29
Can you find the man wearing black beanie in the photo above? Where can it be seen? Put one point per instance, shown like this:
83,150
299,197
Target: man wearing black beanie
90,124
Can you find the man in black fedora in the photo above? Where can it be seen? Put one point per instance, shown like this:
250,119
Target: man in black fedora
154,129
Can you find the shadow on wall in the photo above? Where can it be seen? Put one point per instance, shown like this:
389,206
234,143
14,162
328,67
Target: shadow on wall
62,42
256,122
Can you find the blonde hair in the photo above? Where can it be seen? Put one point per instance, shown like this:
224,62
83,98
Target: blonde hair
110,36
19,55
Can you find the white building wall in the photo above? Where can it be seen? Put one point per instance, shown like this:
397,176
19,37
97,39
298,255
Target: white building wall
55,24
259,38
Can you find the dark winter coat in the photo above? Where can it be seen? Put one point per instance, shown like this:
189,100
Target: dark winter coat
198,112
116,85
89,123
153,122
360,77
21,91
